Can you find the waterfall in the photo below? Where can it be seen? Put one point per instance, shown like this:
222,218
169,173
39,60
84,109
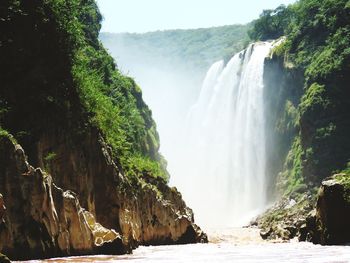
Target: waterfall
222,167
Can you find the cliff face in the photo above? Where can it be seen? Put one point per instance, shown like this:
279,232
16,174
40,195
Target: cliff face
40,219
283,88
306,123
92,179
307,116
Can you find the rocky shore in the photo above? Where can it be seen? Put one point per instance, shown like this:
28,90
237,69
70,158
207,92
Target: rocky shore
322,221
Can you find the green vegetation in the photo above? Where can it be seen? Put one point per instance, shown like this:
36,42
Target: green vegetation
196,48
55,66
5,134
48,159
285,212
142,166
344,178
50,156
311,116
317,44
292,177
271,24
289,118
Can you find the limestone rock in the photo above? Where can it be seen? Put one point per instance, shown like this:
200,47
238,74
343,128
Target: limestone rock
286,220
43,220
333,210
40,219
145,211
153,220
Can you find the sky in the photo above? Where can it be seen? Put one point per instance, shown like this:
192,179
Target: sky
150,15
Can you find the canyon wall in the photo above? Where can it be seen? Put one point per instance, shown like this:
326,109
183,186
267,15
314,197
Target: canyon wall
89,178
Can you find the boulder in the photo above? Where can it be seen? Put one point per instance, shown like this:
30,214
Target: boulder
333,210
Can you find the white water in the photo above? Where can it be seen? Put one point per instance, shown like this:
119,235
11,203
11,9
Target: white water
224,252
221,170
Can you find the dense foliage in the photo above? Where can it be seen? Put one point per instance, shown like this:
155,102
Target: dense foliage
317,43
198,48
271,24
54,70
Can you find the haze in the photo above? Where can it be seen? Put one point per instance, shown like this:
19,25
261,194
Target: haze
151,15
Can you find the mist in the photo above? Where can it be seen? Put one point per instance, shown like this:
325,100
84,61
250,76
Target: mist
211,126
169,86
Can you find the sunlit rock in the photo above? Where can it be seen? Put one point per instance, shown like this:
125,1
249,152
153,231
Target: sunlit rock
42,220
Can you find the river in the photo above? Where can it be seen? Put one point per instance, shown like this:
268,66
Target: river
246,248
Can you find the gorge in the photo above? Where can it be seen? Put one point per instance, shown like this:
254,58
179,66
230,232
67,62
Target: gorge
304,125
263,142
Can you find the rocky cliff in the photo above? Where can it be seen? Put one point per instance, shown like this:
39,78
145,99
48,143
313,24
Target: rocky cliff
40,219
307,102
91,179
300,138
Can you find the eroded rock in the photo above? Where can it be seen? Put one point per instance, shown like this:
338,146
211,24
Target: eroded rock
145,211
287,219
42,220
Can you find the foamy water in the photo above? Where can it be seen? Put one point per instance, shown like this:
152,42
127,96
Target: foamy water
226,252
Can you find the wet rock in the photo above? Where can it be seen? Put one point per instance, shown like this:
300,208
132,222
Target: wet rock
310,233
283,233
265,234
303,233
286,219
307,227
333,210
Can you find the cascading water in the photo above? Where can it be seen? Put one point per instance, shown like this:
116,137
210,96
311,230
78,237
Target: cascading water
223,163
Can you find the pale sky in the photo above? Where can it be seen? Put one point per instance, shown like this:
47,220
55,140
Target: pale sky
151,15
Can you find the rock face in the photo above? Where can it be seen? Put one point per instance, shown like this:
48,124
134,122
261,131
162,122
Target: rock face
333,211
39,219
145,210
326,224
287,219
